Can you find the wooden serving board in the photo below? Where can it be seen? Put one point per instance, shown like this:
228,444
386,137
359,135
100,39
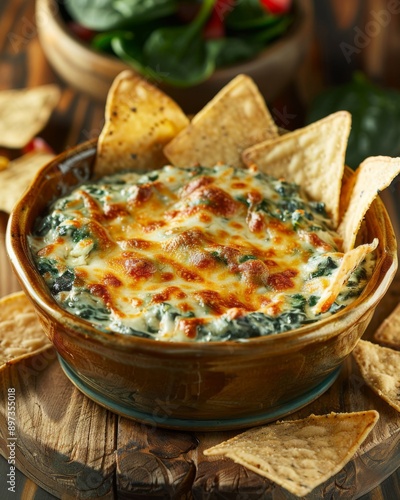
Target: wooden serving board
74,448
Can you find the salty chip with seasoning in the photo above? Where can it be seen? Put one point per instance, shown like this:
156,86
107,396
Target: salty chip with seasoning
350,261
24,113
379,367
139,120
389,331
312,157
299,455
233,120
17,175
21,334
372,176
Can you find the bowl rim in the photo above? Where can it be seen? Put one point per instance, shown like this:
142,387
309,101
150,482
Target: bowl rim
36,290
300,27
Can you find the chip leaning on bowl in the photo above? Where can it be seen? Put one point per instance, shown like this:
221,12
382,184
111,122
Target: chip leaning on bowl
173,234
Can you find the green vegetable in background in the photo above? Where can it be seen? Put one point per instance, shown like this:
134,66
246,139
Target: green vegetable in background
158,41
179,54
111,14
375,117
249,15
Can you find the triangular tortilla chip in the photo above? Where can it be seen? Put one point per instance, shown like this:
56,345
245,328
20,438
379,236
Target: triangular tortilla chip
24,113
20,332
312,157
348,182
350,261
379,367
18,175
233,120
300,454
389,331
373,175
139,120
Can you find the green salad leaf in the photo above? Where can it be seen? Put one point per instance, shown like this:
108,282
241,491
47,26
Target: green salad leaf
179,54
111,14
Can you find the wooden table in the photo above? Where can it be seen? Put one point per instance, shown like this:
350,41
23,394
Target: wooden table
78,118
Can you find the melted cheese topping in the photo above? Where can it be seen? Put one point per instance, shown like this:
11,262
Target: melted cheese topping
191,254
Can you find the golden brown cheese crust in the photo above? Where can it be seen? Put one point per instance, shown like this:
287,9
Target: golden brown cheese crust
183,254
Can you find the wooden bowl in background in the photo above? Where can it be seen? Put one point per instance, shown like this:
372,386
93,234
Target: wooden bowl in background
93,72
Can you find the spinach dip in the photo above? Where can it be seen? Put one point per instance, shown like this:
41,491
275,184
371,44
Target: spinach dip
200,254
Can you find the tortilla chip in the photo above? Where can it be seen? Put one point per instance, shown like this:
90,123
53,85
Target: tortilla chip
379,367
20,332
389,331
24,113
139,121
18,175
350,261
373,175
348,182
300,454
233,120
312,157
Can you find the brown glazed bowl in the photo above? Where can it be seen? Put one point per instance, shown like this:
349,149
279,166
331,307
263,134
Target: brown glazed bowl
184,385
93,72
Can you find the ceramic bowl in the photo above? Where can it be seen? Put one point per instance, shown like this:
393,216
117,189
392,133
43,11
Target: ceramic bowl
219,385
93,72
